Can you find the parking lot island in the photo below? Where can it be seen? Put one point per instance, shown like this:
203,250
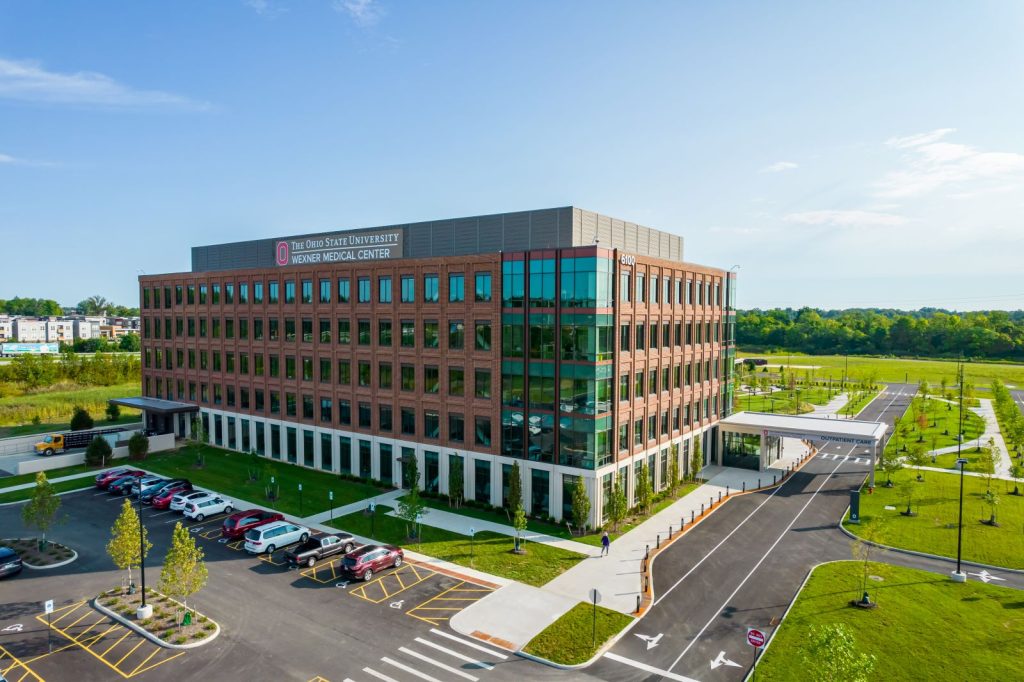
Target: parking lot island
172,626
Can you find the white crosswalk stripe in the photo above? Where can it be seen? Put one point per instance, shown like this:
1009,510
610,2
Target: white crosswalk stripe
408,661
439,664
468,643
379,676
455,654
413,671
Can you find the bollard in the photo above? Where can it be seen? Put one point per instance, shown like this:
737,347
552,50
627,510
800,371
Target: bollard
638,603
773,479
643,564
727,491
702,509
647,551
744,486
670,530
759,482
711,502
719,495
657,541
691,514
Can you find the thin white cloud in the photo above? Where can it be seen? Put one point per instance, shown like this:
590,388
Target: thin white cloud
362,12
931,164
854,218
8,160
778,167
265,8
28,81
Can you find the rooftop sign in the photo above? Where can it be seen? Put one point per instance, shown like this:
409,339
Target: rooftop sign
342,247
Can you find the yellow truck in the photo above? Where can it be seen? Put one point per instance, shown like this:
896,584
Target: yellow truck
55,443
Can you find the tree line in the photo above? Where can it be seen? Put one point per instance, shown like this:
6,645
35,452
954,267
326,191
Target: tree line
36,371
45,307
931,332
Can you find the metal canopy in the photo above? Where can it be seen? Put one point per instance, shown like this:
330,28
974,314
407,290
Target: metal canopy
850,431
154,405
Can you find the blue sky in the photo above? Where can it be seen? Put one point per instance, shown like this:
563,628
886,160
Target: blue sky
843,154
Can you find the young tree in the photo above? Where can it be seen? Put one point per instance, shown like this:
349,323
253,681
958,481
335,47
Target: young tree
617,505
891,464
519,524
80,419
199,439
410,505
644,489
673,472
41,510
830,655
515,487
988,460
1017,473
98,452
906,491
456,483
113,412
944,387
138,446
992,502
124,546
918,457
924,389
922,424
696,458
580,504
871,531
184,571
252,469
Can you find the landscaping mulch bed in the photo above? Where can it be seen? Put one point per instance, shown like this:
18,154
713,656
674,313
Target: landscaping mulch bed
28,550
167,614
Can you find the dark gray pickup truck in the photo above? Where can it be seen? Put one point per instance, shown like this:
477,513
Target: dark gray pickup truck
314,549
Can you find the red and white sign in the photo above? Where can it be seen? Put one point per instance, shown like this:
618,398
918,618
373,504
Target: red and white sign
756,638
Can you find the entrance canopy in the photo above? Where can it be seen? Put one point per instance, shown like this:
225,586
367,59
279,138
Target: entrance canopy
848,431
159,414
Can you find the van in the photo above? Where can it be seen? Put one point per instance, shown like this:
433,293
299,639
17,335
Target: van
274,536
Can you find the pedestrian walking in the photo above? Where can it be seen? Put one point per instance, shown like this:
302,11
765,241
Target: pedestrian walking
606,544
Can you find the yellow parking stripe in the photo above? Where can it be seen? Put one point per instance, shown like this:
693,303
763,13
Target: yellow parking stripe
17,663
72,607
433,611
139,671
121,660
111,647
391,584
96,640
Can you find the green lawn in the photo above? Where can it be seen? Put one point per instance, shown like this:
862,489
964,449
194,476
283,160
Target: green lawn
55,407
934,528
61,487
857,401
490,552
926,627
570,640
8,481
56,427
895,370
975,460
941,430
227,473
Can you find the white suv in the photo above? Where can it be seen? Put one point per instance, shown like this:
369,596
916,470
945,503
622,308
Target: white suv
274,536
178,502
207,505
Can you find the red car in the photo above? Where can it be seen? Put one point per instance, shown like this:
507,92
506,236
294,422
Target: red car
105,478
369,559
234,526
162,500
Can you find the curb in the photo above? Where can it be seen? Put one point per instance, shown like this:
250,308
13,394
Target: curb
913,552
612,641
149,635
66,492
48,566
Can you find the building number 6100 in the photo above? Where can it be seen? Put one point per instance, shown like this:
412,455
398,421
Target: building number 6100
627,260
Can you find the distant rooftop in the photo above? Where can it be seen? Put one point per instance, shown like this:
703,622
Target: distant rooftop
548,228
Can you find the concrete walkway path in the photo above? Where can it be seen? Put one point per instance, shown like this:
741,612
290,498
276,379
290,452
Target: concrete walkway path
32,484
832,407
987,412
387,498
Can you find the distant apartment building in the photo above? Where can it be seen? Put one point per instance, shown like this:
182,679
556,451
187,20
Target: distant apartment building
66,329
571,343
29,330
6,329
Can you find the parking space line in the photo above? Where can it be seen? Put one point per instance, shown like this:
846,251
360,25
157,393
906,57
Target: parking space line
236,545
18,663
74,639
382,583
80,620
314,573
121,660
72,607
111,647
96,640
439,664
436,612
411,671
139,669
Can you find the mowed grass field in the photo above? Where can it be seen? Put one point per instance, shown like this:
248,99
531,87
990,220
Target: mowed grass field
926,627
895,370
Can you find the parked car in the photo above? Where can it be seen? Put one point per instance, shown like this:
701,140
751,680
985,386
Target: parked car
153,491
122,486
179,501
236,525
369,559
274,536
105,478
207,505
146,483
314,549
162,500
10,562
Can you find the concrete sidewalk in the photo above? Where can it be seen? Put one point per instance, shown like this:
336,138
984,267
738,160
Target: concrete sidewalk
832,407
988,414
515,616
389,498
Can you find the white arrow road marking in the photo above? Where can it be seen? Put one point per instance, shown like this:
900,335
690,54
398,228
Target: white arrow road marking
722,660
652,641
17,627
986,577
397,604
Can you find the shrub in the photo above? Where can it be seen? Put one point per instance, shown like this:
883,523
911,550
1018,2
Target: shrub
138,446
80,420
197,635
98,452
209,627
113,412
166,634
180,639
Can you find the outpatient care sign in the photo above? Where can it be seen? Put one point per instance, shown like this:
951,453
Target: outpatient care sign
339,248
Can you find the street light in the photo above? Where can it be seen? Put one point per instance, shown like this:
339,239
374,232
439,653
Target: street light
143,611
959,576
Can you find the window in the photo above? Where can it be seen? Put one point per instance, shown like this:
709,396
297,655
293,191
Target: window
408,333
307,291
408,378
344,290
345,332
190,292
652,425
456,381
638,432
325,330
178,291
325,369
325,291
640,336
273,292
257,330
430,334
482,383
307,330
384,375
625,286
431,379
307,369
364,373
289,367
384,418
638,384
483,430
290,405
456,335
483,336
408,289
364,289
512,283
431,424
431,290
365,416
655,290
257,292
456,427
384,289
326,412
289,329
275,366
624,387
344,372
215,298
243,329
623,437
289,291
409,421
202,294
654,335
344,412
640,296
364,332
624,336
483,287
456,287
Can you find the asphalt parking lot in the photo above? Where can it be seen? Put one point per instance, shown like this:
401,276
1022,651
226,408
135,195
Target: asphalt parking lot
277,623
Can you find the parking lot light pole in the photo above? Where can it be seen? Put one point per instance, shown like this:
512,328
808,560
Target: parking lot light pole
330,496
144,611
373,519
959,576
300,499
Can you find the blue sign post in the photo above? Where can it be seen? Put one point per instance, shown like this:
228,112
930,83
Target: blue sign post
854,506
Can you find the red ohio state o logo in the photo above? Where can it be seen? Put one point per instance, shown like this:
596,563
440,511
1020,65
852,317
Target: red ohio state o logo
282,253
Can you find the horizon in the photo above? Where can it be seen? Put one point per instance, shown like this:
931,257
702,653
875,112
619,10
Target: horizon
885,177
